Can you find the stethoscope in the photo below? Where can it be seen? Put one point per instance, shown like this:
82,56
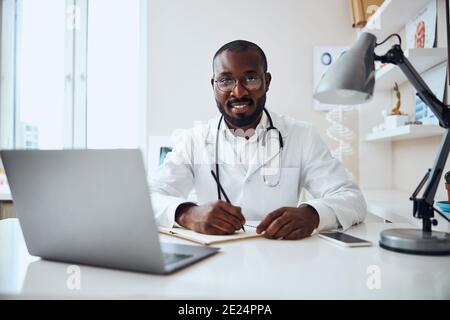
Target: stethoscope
281,144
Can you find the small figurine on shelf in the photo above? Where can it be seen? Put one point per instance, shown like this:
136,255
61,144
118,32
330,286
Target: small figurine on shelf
396,109
396,117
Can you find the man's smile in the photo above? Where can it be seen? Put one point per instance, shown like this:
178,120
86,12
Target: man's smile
241,106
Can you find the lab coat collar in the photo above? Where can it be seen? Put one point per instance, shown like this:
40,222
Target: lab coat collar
278,121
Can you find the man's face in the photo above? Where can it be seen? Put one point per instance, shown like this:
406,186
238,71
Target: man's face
242,104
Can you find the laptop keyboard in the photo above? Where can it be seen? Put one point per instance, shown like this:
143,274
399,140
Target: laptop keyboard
170,258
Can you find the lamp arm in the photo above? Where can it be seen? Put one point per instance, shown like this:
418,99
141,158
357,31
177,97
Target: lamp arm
423,207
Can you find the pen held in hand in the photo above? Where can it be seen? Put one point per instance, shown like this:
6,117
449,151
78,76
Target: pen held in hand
223,191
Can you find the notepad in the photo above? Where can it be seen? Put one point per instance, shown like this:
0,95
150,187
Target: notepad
205,239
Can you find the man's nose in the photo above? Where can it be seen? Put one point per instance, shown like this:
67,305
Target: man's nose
239,90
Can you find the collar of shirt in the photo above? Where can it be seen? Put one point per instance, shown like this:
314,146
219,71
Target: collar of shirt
244,150
240,139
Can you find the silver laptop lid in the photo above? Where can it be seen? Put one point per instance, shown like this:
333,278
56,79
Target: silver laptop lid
85,206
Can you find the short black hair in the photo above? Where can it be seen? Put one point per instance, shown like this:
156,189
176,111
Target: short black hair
241,46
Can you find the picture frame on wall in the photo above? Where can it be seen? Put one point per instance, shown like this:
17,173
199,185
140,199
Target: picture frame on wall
421,30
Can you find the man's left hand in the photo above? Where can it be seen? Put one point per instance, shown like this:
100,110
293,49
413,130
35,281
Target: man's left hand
289,223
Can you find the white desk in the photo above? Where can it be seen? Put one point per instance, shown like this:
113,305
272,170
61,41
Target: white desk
395,206
312,268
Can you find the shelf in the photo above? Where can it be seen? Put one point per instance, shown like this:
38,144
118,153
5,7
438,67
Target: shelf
421,59
394,205
392,16
406,133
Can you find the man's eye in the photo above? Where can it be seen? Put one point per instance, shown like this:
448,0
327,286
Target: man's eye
251,78
226,81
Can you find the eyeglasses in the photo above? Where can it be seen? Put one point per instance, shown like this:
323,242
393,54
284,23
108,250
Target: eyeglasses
249,82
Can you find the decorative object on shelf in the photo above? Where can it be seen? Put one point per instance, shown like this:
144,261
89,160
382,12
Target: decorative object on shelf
362,10
351,81
436,81
398,103
421,30
324,57
395,121
396,117
447,185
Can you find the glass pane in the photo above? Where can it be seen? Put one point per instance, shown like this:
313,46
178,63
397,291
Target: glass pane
113,74
40,74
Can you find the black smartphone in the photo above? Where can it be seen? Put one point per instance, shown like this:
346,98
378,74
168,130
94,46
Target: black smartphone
344,239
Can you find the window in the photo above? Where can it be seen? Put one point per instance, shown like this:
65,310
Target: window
73,74
113,67
40,70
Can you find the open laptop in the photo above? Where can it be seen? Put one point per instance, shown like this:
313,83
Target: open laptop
91,207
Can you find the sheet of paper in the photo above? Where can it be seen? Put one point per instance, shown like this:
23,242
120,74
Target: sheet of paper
205,239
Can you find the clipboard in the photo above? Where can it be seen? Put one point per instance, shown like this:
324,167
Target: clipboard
206,239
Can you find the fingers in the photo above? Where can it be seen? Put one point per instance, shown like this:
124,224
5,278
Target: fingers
216,224
273,230
229,219
212,229
277,232
296,235
220,218
234,211
269,219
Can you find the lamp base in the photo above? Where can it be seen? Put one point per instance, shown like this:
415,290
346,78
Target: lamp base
416,241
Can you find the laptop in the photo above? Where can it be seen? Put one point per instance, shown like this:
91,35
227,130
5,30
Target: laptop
91,207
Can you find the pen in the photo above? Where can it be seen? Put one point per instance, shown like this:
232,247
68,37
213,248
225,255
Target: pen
223,191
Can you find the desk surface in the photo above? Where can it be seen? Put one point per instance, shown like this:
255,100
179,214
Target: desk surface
395,206
312,268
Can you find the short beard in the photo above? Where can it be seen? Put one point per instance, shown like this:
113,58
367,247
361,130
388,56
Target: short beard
244,121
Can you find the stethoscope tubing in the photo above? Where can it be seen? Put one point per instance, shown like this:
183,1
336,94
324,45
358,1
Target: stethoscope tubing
271,127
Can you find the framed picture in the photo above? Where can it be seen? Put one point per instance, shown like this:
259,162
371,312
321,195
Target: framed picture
421,29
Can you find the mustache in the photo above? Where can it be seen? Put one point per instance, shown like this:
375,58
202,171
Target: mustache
232,102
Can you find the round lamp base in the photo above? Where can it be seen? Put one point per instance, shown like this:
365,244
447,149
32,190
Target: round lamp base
416,241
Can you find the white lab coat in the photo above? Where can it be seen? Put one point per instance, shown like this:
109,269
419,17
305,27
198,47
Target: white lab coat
306,163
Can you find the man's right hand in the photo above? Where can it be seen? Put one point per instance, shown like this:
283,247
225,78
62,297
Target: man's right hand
218,217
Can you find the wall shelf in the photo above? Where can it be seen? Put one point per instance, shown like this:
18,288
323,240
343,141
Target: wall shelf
406,133
392,16
422,60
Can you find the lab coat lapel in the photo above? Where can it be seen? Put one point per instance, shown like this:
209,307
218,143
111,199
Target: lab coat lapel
260,159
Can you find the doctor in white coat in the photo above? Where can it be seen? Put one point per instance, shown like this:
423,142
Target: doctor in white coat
262,160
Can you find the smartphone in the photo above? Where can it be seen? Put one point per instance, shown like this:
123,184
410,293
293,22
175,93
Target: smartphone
344,239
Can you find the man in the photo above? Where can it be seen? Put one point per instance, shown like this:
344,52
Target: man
262,161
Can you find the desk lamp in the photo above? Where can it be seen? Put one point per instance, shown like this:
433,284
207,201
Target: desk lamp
351,80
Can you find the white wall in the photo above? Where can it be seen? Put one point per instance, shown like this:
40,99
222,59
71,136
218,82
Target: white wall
184,35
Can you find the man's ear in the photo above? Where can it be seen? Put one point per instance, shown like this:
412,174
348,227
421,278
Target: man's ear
212,82
268,78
